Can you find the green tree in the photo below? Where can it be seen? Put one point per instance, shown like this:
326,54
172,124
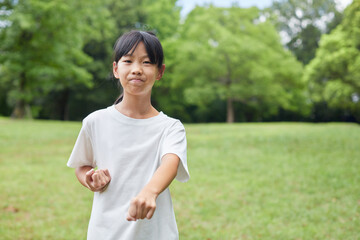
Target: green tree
158,16
303,22
163,16
333,76
41,49
229,54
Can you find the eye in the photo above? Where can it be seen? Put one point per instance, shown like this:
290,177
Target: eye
147,62
126,59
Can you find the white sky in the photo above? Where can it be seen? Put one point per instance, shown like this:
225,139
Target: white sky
188,5
342,4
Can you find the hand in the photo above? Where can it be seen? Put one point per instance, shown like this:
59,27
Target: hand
142,206
98,180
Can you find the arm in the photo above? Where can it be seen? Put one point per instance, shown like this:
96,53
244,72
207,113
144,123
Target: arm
144,204
96,181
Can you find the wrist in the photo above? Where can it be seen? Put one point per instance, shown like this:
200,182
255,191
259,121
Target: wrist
152,191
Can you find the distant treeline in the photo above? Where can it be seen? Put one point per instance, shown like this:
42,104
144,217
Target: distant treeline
294,61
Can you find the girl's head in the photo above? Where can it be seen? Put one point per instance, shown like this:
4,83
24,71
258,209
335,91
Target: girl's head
126,48
129,41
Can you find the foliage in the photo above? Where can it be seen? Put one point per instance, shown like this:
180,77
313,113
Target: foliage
333,75
221,63
303,22
125,15
163,16
119,16
40,54
248,181
228,54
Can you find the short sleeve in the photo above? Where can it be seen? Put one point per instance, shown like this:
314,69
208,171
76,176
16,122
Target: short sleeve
82,153
175,142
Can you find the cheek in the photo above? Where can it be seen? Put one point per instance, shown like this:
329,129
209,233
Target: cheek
153,73
120,73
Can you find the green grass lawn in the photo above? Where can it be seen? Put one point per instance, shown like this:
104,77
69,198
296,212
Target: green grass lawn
248,181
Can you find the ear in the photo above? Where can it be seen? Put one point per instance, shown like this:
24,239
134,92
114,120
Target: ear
115,68
161,72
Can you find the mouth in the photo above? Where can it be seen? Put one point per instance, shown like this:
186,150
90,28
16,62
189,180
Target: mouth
135,80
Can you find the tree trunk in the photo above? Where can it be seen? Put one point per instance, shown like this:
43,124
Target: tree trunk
64,104
22,109
19,110
230,111
230,118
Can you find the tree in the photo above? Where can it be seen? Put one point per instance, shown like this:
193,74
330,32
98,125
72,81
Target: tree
41,49
303,22
333,76
163,16
229,54
158,16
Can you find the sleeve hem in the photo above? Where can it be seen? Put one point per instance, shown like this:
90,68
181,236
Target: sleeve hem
182,174
79,165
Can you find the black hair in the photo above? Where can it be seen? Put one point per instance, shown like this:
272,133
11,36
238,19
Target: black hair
129,41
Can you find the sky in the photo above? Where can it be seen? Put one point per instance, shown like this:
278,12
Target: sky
188,5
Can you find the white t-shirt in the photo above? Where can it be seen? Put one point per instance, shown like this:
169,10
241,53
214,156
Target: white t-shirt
132,150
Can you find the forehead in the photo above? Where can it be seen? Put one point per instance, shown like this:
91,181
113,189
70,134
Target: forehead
138,50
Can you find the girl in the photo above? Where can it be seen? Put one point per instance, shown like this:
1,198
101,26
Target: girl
137,150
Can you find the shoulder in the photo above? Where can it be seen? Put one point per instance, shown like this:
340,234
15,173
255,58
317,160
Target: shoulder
96,116
173,126
173,122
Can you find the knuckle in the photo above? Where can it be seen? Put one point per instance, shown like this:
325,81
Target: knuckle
149,205
142,202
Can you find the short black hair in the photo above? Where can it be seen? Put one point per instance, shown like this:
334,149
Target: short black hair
131,40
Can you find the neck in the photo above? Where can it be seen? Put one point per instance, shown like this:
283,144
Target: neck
137,107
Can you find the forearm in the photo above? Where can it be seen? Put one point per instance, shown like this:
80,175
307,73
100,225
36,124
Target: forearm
164,175
144,204
80,173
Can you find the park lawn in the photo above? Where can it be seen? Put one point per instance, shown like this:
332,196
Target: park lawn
248,181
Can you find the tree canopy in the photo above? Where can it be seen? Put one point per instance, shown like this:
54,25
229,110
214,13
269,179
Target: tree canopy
334,74
39,53
302,22
222,64
231,55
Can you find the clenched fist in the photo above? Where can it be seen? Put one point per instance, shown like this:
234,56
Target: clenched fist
97,180
142,206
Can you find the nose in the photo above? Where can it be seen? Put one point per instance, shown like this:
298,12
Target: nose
137,69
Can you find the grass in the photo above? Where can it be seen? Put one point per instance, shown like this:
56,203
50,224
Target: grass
248,181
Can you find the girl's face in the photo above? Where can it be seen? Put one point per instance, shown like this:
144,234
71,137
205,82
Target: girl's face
136,73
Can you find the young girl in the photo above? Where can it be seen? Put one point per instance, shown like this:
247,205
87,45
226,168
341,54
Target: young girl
137,150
